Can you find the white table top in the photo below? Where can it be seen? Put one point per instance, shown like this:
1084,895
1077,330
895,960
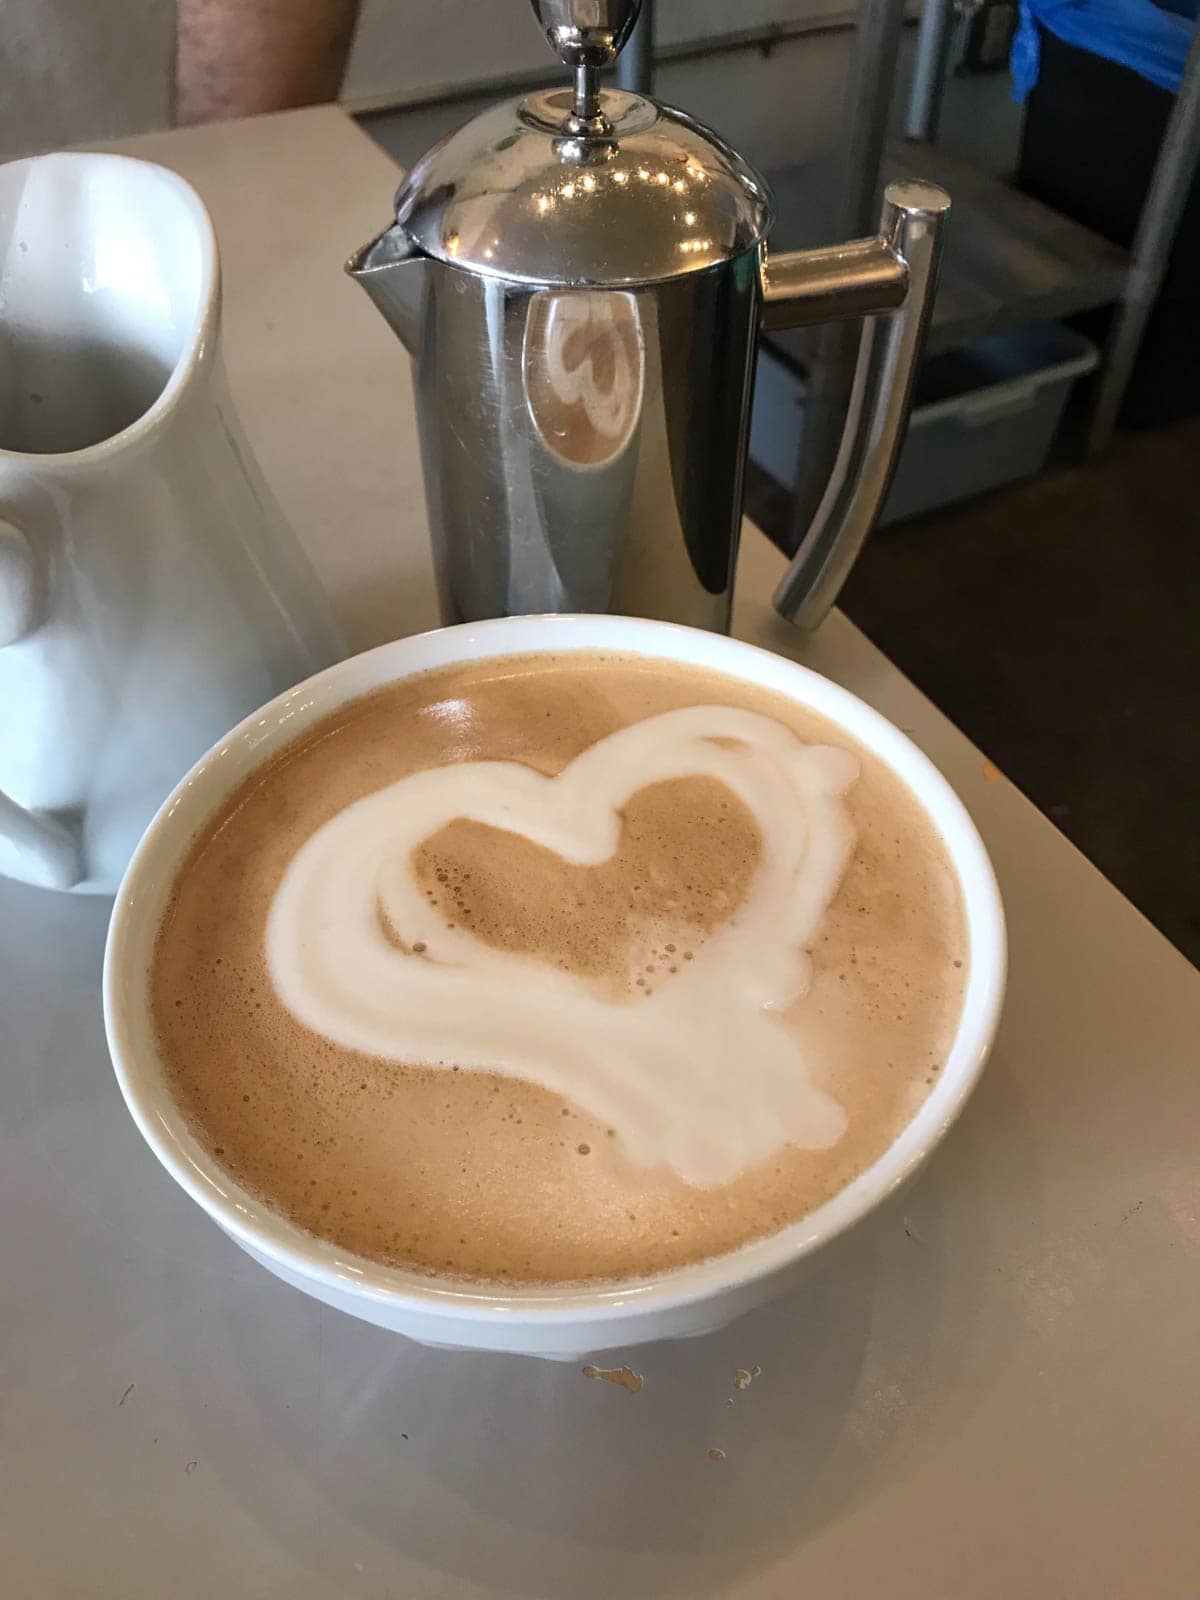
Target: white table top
989,1392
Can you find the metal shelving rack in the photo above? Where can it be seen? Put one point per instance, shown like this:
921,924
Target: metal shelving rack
1009,259
1088,276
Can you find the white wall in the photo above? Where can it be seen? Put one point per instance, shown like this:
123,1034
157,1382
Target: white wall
77,70
408,50
777,109
72,70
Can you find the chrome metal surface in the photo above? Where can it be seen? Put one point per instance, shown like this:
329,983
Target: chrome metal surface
587,32
587,36
913,218
580,278
583,449
802,287
832,351
514,196
393,274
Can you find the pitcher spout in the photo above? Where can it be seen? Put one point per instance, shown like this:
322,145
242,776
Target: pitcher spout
392,271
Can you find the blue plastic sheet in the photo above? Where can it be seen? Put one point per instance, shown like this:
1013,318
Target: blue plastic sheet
1134,33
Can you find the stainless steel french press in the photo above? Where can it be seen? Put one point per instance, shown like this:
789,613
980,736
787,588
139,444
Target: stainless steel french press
580,276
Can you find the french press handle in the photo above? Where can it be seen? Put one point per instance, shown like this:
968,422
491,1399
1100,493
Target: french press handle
889,280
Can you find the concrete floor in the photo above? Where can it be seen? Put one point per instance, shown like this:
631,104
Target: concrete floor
1057,622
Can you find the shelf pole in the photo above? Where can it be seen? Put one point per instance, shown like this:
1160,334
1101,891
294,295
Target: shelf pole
929,70
635,64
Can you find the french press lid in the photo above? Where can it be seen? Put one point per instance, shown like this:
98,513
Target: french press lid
582,186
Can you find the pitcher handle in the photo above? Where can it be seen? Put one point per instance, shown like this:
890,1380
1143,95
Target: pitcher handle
890,280
42,839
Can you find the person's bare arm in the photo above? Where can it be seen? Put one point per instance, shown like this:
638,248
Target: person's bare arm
234,58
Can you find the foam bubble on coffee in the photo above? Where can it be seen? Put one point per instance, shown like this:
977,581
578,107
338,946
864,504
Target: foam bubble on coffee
698,1072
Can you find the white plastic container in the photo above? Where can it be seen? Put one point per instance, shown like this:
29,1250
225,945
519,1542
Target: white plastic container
983,416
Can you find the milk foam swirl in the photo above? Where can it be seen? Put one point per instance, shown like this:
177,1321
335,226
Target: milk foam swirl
701,1075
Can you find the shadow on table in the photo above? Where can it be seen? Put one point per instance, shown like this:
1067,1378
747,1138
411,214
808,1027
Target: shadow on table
524,1477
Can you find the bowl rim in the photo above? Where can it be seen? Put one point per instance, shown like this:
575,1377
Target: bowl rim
142,895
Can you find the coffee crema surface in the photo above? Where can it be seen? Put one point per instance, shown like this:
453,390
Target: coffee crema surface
552,969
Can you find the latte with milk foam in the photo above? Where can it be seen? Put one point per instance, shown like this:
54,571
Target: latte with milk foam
559,968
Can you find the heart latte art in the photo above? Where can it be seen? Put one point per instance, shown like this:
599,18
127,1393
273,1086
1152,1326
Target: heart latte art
700,1073
557,969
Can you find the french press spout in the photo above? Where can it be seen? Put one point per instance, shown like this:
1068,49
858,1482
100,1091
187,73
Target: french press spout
580,275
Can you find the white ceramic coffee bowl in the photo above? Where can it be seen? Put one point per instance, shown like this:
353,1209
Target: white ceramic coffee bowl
573,1321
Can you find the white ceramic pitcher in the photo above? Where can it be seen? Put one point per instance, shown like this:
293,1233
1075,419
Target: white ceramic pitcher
150,593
